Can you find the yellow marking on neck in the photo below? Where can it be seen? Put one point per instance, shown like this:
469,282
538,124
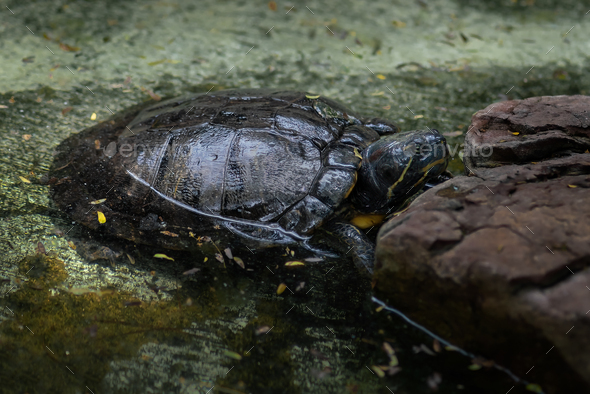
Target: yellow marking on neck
390,190
421,179
400,212
357,154
427,169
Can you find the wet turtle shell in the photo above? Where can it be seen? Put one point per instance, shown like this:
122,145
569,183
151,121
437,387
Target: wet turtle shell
261,166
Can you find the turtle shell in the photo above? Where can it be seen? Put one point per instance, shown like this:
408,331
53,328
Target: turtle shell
267,166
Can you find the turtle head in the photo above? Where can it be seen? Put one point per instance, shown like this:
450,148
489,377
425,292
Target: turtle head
397,165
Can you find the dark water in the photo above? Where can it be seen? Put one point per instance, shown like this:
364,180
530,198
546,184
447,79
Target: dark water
101,320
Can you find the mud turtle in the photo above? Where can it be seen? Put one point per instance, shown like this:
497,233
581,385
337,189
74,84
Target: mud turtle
254,167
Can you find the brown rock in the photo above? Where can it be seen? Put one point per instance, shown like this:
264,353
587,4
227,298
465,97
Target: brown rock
498,262
521,131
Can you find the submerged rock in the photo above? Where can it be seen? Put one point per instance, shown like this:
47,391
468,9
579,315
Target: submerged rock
497,262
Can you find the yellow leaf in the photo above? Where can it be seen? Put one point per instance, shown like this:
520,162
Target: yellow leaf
388,349
380,76
311,97
393,361
366,221
96,202
572,186
516,133
156,62
233,355
25,180
281,288
162,256
379,309
535,388
101,218
93,116
418,116
239,262
378,371
293,263
169,233
380,93
205,259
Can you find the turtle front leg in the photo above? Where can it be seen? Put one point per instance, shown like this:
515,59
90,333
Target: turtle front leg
358,244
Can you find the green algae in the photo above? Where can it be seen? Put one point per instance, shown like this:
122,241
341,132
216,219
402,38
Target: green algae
66,337
265,353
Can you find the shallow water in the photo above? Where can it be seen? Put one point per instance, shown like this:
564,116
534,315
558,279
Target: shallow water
137,324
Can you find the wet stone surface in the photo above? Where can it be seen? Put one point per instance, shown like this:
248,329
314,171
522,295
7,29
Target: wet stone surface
503,253
521,131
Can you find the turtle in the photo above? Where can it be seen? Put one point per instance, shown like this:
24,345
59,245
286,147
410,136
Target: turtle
246,167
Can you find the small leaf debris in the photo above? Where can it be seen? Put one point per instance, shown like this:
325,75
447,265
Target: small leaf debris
535,388
434,380
231,354
262,330
282,287
40,249
163,256
378,371
239,262
192,271
293,263
228,253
